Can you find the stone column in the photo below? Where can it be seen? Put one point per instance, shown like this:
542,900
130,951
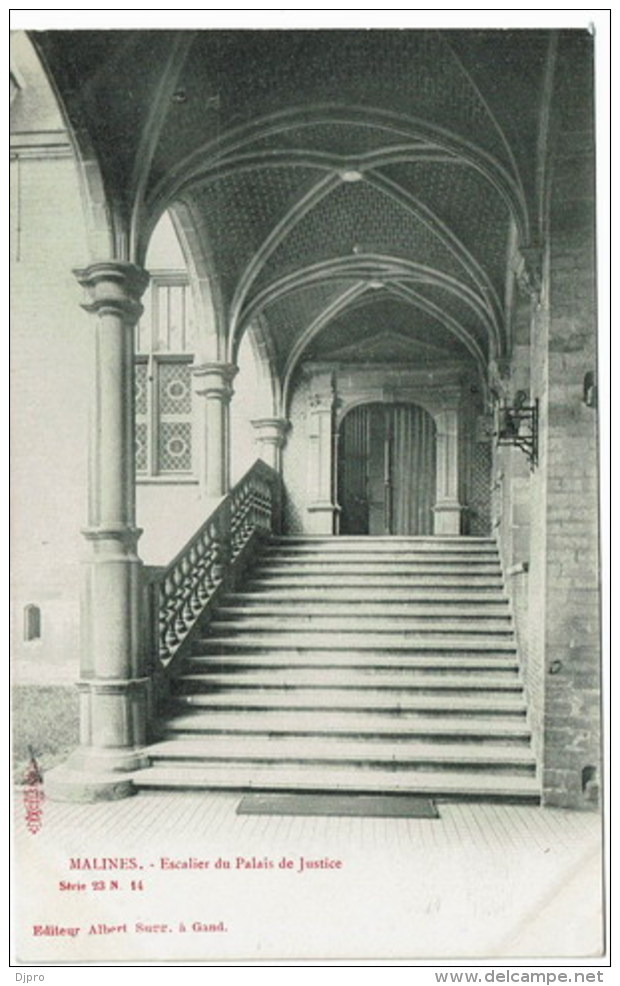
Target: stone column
447,508
322,508
271,436
213,382
114,684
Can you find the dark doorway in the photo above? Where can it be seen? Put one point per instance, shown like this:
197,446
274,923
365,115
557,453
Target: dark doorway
386,470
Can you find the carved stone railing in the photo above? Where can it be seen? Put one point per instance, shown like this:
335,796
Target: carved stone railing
179,596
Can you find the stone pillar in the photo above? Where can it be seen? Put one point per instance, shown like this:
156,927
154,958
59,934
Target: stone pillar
447,508
213,381
322,508
114,684
271,436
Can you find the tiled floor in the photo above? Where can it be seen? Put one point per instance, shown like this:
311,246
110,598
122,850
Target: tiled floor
482,881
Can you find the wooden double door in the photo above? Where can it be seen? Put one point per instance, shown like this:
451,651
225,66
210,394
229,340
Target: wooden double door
386,470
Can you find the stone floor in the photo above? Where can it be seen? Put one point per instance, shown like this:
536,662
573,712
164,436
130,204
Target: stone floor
483,881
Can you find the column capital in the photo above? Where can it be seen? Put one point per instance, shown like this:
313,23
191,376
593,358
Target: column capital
215,379
113,287
271,429
270,437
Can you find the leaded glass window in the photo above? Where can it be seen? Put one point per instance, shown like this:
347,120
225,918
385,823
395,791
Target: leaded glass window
163,384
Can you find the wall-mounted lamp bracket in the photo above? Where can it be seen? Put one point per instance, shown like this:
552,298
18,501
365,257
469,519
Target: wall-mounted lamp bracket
518,426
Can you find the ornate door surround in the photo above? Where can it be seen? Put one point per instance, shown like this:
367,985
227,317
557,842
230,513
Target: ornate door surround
336,388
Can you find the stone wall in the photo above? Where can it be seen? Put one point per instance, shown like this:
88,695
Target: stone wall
516,495
295,462
475,462
532,610
549,518
50,385
572,698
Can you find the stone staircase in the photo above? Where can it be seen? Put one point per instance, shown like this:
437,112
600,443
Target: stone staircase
374,665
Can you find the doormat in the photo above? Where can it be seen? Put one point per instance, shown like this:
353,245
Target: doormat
358,805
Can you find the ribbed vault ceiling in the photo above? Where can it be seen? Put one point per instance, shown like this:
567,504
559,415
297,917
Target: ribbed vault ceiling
344,186
402,331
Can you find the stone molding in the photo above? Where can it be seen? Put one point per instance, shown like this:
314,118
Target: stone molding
271,437
114,287
336,390
215,380
271,429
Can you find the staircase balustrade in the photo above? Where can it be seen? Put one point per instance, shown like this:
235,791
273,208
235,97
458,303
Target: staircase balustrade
178,596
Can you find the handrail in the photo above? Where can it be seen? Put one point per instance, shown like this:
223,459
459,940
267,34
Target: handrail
179,594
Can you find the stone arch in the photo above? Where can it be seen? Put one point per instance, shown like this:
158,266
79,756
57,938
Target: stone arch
360,294
346,406
106,225
223,151
210,316
260,340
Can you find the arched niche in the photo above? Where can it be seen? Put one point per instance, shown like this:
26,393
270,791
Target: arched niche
32,622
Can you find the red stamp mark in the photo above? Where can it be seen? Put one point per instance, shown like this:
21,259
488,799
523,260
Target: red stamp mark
33,795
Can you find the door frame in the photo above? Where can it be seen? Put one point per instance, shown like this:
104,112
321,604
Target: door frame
387,457
334,389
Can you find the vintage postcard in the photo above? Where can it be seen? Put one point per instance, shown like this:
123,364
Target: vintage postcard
306,336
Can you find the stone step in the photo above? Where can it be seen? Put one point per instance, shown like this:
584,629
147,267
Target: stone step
353,624
321,749
269,579
355,664
313,641
328,660
388,542
392,702
326,679
446,555
422,613
337,595
353,566
371,726
340,779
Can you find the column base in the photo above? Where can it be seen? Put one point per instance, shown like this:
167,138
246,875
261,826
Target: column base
322,517
95,775
447,518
